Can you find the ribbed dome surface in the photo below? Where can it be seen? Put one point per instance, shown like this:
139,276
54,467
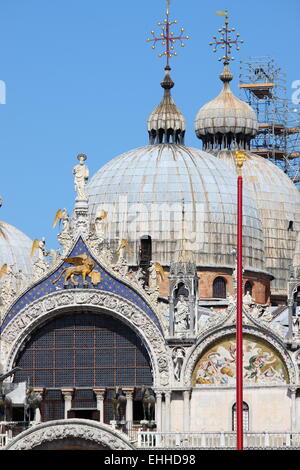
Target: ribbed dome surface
296,258
226,114
143,192
166,116
15,248
166,123
278,202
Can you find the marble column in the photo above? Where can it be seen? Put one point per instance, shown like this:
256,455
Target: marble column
67,394
100,393
186,410
158,411
297,411
293,391
129,403
167,411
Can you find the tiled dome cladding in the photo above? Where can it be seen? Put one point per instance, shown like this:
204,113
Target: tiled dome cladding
159,177
278,202
15,248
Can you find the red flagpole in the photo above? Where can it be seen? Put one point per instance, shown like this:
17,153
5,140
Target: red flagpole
239,320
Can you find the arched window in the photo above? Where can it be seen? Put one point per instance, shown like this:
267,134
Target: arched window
181,290
145,252
248,288
219,288
83,351
245,417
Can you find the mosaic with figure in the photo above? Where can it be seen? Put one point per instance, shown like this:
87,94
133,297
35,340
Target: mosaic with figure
88,274
262,363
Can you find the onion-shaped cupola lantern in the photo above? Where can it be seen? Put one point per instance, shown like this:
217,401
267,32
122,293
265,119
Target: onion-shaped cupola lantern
226,122
166,124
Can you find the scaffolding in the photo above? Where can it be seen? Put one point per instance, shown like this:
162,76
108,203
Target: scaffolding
278,137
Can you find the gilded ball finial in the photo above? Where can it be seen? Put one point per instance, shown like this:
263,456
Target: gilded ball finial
240,158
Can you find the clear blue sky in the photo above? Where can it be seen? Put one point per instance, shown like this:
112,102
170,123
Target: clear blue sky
81,78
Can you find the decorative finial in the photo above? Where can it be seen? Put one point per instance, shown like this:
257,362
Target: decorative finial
240,158
226,41
167,37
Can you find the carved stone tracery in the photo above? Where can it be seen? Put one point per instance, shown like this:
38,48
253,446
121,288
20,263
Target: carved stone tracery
72,428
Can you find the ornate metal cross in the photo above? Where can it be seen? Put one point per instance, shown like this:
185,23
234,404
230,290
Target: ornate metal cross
226,40
167,37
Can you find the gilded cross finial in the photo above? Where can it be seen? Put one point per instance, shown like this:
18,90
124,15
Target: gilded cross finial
226,39
167,37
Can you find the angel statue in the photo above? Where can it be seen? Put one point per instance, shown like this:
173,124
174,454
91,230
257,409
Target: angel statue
81,176
41,247
156,273
83,266
62,216
99,224
40,266
123,246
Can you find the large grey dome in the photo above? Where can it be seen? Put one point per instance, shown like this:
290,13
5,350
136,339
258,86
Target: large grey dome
278,202
15,248
150,190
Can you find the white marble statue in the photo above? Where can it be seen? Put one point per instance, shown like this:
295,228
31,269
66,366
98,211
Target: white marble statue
152,276
178,356
81,176
42,249
247,299
182,315
65,221
22,281
99,228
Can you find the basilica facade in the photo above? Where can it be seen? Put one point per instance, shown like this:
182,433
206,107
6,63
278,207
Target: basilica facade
124,336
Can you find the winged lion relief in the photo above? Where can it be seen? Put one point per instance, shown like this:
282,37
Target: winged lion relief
83,266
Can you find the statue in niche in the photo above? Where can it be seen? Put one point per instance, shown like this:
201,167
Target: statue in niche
178,356
81,176
296,325
182,316
247,299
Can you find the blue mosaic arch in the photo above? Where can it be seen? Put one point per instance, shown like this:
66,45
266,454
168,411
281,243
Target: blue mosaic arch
108,283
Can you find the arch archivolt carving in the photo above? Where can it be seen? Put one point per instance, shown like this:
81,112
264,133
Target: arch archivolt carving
45,308
199,349
80,429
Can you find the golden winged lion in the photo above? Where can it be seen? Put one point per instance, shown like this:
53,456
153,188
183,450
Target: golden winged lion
83,266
